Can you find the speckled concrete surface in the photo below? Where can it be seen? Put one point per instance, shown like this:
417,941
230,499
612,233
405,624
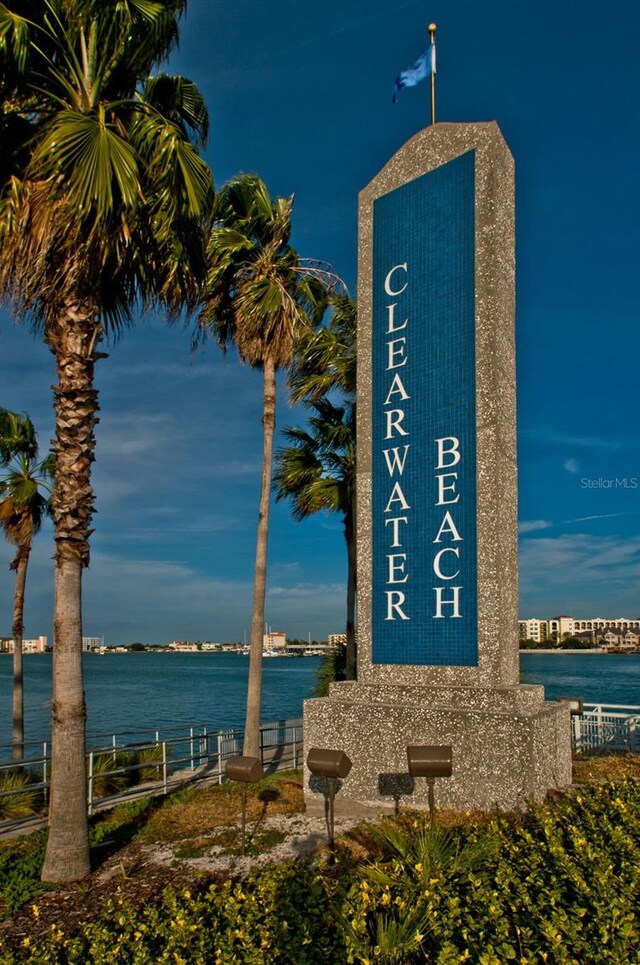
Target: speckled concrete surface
495,402
509,745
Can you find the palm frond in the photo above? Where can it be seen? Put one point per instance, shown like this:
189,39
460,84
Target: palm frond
180,100
95,168
325,358
15,34
17,436
113,199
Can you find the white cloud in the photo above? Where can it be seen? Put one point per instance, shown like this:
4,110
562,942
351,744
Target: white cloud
532,525
584,442
580,572
584,519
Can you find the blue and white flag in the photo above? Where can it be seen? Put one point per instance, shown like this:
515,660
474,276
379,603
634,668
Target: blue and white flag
422,68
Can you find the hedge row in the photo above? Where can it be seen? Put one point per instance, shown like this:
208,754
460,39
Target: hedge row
559,885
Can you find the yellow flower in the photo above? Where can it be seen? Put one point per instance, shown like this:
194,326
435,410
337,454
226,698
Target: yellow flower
186,894
26,942
265,943
419,937
386,898
36,911
419,867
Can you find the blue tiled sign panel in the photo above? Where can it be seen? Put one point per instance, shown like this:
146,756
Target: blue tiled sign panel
424,590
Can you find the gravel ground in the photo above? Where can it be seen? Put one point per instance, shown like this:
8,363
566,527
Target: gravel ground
304,834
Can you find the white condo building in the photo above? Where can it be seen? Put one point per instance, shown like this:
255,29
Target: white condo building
558,627
39,645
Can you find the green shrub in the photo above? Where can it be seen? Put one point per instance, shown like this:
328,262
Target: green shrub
23,802
331,667
110,774
559,885
149,756
20,864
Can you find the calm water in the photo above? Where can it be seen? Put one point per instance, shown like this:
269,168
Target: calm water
145,691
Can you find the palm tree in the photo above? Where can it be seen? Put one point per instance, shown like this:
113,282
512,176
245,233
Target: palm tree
325,359
318,472
259,295
104,211
325,364
25,488
17,435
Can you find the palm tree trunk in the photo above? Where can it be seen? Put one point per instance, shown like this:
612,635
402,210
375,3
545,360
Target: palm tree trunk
254,688
350,538
76,404
17,726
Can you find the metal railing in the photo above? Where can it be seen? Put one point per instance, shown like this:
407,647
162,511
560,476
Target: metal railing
605,728
119,769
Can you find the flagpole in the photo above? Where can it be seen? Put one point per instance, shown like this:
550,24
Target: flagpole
432,34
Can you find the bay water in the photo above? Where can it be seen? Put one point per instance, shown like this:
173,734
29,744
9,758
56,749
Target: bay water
139,693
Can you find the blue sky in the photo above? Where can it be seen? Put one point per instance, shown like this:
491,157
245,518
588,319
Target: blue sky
300,93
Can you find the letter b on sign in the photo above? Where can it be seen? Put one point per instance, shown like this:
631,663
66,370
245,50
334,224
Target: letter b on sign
448,449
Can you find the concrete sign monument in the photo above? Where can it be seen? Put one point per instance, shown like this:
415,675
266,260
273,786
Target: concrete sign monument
437,492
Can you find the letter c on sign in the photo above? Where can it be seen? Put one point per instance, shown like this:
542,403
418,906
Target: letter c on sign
387,282
436,562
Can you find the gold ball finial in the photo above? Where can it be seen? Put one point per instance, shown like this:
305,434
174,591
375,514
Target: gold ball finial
432,28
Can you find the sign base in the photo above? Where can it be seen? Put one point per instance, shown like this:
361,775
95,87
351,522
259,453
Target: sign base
509,744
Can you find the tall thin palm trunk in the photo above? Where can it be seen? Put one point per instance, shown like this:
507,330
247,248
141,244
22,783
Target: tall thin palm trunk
17,724
76,405
254,689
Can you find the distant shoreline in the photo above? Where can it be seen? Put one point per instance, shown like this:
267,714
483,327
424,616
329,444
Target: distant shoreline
557,650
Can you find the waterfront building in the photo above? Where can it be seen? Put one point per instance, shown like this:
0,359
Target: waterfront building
622,639
274,640
557,628
39,645
337,640
183,645
89,644
533,630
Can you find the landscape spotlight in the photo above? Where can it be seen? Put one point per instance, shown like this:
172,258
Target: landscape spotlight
430,761
331,765
247,770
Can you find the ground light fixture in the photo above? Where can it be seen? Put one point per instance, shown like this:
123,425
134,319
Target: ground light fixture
332,765
246,770
430,761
